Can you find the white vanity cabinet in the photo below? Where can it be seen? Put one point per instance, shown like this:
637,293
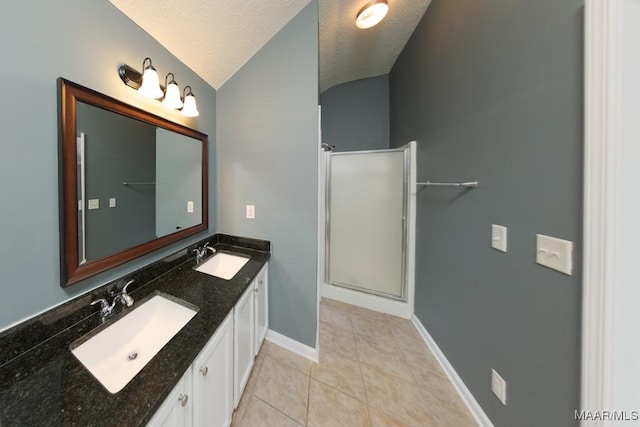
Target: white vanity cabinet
212,387
213,379
261,307
243,331
176,410
204,395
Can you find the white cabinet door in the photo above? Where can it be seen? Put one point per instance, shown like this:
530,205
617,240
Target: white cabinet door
176,409
243,341
213,379
261,289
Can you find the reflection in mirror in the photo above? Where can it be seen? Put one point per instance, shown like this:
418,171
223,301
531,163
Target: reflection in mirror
132,182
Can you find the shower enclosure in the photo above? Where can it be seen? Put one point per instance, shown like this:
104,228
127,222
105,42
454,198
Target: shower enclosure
367,210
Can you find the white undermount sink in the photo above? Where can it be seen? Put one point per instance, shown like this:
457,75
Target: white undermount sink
223,265
116,354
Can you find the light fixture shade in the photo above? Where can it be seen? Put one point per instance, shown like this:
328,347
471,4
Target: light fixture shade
150,83
172,96
372,13
190,109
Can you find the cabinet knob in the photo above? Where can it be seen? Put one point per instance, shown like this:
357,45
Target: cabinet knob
204,370
256,290
183,399
260,282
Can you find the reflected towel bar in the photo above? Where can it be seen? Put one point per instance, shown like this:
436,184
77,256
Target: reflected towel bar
470,184
138,183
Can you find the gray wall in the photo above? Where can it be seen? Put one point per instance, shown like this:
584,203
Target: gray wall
492,91
355,115
117,149
178,181
85,42
268,157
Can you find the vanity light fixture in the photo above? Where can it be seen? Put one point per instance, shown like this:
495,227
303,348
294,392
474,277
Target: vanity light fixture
171,93
147,83
150,84
372,13
190,109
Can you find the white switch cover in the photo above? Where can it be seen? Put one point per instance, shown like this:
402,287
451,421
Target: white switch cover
556,254
112,202
499,237
94,204
189,206
251,211
499,387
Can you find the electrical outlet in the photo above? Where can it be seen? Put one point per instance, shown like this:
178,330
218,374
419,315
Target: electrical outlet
251,211
112,202
189,206
499,387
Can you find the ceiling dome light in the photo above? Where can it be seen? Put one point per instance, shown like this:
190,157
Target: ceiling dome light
372,13
190,109
150,83
172,93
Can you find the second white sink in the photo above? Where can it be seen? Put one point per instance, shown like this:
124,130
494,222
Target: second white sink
223,265
117,353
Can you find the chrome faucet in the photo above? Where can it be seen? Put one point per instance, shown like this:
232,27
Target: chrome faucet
106,309
202,252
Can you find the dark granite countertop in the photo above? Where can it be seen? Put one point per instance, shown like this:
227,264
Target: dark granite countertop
47,385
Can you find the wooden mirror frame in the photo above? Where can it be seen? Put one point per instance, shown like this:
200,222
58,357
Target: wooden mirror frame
68,94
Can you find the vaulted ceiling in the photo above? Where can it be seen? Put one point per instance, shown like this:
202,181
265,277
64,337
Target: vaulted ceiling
215,38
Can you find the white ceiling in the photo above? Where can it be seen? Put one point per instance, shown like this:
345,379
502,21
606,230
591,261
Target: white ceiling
348,53
215,38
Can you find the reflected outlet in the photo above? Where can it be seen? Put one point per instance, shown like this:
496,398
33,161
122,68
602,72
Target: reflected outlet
251,211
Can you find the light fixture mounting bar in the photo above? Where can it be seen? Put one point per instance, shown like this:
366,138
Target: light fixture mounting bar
132,77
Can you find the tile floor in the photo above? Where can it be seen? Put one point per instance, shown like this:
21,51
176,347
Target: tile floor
374,370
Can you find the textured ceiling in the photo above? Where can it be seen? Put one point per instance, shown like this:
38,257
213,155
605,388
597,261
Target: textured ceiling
348,53
215,38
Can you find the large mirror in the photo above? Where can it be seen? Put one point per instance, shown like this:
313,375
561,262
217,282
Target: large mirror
131,182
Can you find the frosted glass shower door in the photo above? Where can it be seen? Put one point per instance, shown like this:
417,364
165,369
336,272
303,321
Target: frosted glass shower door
367,207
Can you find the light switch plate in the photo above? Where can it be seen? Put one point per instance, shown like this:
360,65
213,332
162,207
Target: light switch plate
554,253
112,202
251,211
94,204
189,206
499,387
499,237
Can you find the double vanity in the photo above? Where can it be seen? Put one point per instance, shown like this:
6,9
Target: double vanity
181,355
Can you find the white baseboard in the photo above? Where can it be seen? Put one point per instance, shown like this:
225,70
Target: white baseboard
293,346
364,300
463,391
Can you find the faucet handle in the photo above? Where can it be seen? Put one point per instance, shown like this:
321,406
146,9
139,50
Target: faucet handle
103,303
124,290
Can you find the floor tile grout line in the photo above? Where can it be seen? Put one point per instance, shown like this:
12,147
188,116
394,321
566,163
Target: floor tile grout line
308,401
279,361
342,391
366,395
279,410
364,385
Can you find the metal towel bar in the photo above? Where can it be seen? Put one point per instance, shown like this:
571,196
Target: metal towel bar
469,184
138,183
